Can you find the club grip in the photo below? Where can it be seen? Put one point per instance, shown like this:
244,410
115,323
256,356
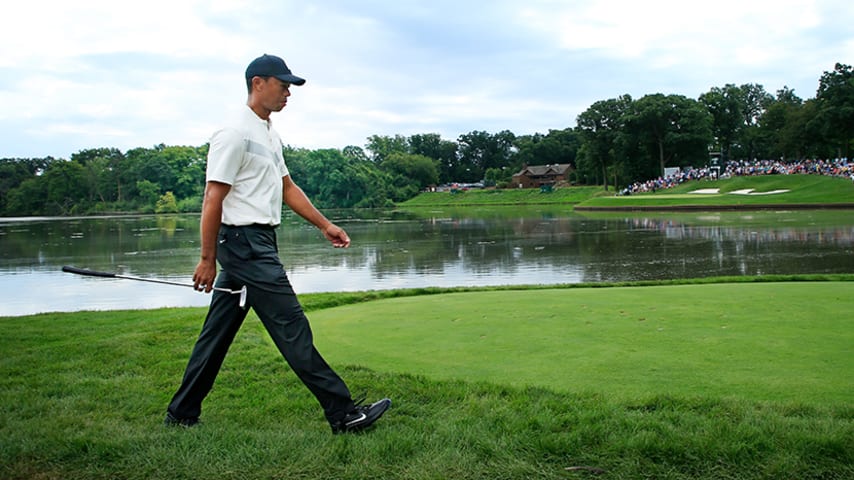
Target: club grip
83,271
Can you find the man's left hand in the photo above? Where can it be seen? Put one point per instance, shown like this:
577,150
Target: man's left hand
337,236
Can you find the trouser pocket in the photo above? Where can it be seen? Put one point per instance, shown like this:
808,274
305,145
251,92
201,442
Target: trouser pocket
232,245
250,254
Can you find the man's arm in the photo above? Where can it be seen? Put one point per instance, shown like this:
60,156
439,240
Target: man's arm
296,200
205,273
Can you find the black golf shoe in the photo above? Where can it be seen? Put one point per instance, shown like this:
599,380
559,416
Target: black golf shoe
173,421
362,417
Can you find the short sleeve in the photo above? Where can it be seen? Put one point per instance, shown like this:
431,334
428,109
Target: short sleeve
227,149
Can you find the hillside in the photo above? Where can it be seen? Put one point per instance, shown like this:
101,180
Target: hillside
527,196
772,191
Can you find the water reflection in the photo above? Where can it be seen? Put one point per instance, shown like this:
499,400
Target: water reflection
396,249
841,236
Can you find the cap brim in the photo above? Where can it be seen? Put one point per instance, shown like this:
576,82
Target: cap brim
293,79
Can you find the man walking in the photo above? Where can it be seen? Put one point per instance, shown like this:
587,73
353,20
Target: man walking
247,182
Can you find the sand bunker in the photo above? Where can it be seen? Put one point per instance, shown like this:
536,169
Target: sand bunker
707,191
746,191
749,191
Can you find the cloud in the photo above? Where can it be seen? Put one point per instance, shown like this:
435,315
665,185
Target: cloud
55,34
97,73
696,44
663,31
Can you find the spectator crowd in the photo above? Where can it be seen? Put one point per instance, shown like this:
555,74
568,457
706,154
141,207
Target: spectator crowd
839,167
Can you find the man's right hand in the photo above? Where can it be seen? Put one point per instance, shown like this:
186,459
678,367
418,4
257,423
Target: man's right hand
203,277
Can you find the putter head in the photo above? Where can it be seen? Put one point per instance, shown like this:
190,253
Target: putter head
243,297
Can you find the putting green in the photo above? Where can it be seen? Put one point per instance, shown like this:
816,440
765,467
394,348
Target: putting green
758,341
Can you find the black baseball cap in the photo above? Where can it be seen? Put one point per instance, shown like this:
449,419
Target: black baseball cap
272,66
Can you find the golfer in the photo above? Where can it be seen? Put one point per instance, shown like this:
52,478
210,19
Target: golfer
247,182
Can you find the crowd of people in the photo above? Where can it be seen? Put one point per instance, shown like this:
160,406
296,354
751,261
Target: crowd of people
839,167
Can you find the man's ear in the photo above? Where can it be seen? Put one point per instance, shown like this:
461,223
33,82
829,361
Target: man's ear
257,83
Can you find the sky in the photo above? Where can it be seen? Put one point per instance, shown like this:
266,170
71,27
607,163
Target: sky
91,74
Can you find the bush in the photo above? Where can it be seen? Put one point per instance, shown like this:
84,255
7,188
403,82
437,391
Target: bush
166,204
190,205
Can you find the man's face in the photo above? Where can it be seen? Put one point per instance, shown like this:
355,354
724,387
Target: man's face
274,94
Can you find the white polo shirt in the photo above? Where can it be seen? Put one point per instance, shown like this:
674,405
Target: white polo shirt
248,156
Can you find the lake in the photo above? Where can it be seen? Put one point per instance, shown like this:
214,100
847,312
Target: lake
417,248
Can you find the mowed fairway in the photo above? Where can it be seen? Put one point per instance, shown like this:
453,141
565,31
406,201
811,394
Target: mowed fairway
789,342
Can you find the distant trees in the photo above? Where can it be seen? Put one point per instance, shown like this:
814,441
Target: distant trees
103,179
553,148
835,108
614,142
625,139
784,130
602,128
671,130
736,112
432,145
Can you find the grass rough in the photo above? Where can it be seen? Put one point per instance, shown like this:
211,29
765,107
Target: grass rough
83,396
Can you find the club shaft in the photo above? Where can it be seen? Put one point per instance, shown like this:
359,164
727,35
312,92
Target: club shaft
168,282
95,273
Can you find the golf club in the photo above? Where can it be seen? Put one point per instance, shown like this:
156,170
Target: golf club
94,273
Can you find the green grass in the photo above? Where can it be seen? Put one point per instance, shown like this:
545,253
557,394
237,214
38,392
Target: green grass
642,382
526,196
802,190
624,342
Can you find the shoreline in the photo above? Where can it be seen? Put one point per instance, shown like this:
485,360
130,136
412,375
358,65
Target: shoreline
716,208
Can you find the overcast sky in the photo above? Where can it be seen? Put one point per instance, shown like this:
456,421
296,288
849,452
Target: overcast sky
90,74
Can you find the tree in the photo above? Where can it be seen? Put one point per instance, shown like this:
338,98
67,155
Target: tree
374,185
408,169
755,100
180,170
66,188
187,165
142,165
28,198
600,127
782,128
835,97
816,144
149,192
443,151
479,151
13,172
555,147
382,146
333,179
101,167
674,129
736,113
500,177
354,154
725,106
319,173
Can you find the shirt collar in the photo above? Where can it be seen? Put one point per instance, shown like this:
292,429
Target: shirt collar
250,115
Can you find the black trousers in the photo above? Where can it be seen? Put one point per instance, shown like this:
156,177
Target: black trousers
249,256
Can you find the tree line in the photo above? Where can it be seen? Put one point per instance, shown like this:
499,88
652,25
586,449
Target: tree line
614,142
